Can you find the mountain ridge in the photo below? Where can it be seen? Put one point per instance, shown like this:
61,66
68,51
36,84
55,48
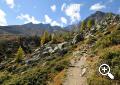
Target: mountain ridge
39,29
29,29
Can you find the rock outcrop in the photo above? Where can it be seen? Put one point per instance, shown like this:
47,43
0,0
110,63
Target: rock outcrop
77,38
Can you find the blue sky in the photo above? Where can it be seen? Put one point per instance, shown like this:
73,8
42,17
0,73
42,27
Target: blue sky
54,12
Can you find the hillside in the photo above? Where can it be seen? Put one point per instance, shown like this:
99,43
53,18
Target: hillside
29,29
66,58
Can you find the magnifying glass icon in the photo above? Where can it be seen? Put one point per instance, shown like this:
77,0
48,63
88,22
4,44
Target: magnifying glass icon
104,69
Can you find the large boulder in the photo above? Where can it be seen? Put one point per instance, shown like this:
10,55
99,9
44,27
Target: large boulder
77,38
33,59
63,45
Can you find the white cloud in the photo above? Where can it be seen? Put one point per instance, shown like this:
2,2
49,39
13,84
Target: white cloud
73,11
55,23
53,8
27,18
47,19
3,21
97,7
63,6
10,3
64,20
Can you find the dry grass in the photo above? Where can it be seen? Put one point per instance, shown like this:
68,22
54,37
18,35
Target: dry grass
117,47
8,37
58,78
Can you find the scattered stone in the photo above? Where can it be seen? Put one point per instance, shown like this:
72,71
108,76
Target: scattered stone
23,73
83,71
44,64
76,53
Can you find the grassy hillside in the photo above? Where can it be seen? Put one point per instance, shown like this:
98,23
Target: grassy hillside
43,60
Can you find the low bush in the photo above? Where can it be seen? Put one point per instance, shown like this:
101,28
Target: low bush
112,58
90,40
3,77
98,81
109,40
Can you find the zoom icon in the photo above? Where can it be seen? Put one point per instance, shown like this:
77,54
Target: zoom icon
104,69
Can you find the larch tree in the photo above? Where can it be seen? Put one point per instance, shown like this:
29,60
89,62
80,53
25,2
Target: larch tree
19,55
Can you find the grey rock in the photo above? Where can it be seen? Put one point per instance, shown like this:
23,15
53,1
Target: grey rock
48,58
48,49
37,50
33,59
83,71
51,50
77,38
77,53
98,26
62,45
56,49
93,29
46,53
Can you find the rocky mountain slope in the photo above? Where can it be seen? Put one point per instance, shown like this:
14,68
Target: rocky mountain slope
99,18
56,63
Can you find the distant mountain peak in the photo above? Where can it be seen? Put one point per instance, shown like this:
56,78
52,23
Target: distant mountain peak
97,16
30,23
30,29
99,12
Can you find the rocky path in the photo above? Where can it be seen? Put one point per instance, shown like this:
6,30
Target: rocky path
76,73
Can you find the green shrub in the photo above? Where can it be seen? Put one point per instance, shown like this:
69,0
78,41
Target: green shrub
109,40
112,58
90,40
95,80
3,77
19,55
60,66
83,26
110,54
116,72
90,23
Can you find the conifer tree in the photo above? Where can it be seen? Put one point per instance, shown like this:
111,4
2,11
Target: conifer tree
83,25
45,38
53,38
19,55
90,23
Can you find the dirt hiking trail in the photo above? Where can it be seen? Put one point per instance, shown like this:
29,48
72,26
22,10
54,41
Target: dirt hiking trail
76,73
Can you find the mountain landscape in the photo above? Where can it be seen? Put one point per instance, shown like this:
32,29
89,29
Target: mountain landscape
41,54
29,29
